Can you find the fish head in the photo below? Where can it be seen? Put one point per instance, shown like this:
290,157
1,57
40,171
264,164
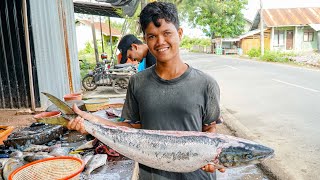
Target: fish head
243,154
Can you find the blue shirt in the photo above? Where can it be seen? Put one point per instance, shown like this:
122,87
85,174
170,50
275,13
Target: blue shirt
142,65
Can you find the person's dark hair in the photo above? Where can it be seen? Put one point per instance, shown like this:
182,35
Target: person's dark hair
125,44
158,10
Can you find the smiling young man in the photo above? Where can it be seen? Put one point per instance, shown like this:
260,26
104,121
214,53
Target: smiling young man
168,96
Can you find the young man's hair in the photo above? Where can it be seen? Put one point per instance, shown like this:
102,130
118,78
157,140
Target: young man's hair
158,10
125,45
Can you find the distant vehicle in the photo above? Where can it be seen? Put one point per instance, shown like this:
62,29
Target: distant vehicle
107,74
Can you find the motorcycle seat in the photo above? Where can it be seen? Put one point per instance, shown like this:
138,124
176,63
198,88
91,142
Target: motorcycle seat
119,66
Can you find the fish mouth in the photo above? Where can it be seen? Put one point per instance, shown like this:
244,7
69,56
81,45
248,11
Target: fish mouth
246,154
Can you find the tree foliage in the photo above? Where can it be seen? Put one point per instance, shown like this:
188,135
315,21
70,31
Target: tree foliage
219,17
188,42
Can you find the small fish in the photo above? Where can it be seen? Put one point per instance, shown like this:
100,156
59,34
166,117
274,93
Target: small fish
16,154
36,148
75,155
10,166
87,145
87,158
60,151
37,156
96,161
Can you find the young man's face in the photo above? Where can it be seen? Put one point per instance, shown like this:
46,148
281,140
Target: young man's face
163,41
134,53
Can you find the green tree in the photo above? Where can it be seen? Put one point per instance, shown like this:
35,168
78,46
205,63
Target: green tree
219,17
114,24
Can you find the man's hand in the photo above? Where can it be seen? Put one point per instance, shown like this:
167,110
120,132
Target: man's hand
212,128
77,123
210,168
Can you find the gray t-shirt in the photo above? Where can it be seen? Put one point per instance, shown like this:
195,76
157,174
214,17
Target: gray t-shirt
185,103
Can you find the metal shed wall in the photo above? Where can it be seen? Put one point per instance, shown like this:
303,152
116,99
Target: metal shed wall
53,31
14,83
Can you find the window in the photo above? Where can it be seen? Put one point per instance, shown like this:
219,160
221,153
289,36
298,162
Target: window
308,36
278,39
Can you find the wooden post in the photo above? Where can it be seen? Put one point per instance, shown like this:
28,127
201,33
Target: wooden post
94,40
261,30
110,36
26,32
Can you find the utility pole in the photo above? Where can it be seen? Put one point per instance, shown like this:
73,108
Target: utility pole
143,3
261,30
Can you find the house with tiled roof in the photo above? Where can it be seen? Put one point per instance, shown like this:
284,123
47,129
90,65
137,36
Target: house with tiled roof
286,29
84,33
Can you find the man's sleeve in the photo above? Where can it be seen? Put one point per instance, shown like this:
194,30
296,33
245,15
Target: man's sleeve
130,109
150,60
212,106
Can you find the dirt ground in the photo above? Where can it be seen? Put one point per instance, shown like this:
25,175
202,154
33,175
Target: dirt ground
16,118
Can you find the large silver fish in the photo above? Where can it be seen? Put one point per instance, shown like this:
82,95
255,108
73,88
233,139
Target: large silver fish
178,151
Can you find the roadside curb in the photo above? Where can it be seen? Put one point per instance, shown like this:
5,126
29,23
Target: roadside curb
272,167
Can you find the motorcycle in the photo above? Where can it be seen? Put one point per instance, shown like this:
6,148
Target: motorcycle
107,74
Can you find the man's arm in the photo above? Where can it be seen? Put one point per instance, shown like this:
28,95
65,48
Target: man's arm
77,123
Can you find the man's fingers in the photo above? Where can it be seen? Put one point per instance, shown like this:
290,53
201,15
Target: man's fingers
83,114
73,123
222,170
208,168
78,125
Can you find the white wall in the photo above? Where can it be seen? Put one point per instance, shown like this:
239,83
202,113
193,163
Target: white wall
84,34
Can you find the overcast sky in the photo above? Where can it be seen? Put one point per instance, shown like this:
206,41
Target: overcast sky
254,5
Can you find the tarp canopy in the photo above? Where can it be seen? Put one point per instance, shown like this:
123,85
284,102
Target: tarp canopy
116,8
100,9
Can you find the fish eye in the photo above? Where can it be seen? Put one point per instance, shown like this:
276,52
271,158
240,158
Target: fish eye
248,156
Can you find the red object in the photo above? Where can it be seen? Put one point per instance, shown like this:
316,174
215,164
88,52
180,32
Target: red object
73,96
47,114
104,56
103,149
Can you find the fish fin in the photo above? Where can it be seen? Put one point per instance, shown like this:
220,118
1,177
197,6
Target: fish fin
64,108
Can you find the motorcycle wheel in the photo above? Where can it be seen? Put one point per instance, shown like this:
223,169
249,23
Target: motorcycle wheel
88,83
120,85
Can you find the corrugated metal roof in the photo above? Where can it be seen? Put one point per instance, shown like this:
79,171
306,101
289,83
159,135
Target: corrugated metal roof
291,16
105,28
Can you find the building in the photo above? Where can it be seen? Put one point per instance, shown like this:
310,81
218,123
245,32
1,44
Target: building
84,33
288,29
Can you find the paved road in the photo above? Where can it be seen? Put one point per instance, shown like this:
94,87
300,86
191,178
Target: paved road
279,104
